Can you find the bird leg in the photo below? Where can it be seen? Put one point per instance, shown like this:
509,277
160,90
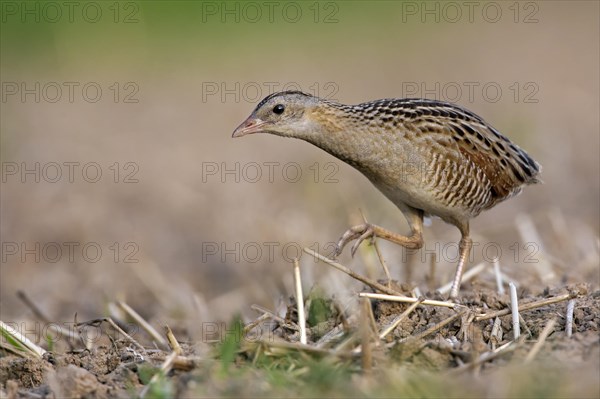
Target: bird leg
363,231
464,248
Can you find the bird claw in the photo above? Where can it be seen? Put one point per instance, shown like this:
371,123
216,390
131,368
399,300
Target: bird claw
359,233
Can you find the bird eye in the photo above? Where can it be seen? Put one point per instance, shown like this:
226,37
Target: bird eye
278,109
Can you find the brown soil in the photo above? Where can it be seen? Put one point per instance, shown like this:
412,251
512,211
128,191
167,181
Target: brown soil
117,369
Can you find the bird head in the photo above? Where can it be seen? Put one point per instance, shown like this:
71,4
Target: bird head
286,113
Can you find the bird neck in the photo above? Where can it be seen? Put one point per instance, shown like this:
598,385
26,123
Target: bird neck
341,134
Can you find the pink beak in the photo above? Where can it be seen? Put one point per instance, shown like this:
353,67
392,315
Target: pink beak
249,126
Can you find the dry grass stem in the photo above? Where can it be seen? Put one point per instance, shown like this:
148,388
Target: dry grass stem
399,319
386,270
37,312
435,327
467,330
527,306
173,341
332,335
369,311
164,368
300,301
514,307
497,333
97,322
278,347
144,324
486,357
371,283
31,305
87,339
548,329
371,323
569,323
507,280
26,346
366,330
342,316
250,326
273,316
402,298
185,363
67,333
348,342
525,326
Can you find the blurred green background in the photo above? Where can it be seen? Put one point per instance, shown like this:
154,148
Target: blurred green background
148,93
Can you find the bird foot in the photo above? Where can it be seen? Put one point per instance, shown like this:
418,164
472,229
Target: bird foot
359,233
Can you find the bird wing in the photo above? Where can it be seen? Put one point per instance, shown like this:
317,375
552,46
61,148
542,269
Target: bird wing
506,166
476,143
